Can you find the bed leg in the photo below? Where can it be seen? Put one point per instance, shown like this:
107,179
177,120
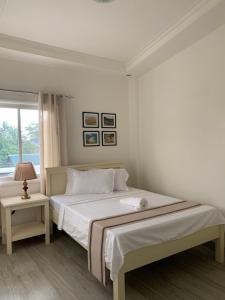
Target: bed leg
119,287
220,246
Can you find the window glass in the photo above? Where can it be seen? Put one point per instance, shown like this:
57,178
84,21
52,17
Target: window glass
12,148
30,137
9,150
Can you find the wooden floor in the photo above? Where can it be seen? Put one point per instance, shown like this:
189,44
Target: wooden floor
59,272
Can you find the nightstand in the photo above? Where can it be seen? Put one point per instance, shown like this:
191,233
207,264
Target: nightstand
18,232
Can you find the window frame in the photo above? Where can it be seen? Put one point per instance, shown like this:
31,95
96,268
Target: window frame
19,107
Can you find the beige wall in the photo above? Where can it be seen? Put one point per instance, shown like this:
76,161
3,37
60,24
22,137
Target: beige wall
181,115
93,91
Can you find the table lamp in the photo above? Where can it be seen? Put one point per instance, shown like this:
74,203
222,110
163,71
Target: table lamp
25,171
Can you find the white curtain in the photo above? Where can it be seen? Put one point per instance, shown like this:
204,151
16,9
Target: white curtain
53,133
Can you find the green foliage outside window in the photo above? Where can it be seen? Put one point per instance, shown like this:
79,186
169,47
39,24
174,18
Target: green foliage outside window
9,142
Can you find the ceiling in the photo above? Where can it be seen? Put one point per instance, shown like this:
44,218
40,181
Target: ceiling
117,30
122,36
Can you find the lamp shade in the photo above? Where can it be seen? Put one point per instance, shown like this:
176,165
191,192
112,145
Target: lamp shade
24,171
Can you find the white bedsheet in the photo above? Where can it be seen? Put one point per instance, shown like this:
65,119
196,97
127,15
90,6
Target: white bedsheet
76,213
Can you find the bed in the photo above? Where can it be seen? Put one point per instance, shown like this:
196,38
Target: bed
131,246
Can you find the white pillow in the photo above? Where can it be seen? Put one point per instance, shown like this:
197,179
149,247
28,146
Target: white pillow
120,180
89,182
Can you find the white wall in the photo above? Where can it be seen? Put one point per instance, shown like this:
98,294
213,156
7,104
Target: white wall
182,123
92,90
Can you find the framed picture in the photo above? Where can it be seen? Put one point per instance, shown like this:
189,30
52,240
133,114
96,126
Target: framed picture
108,120
109,138
90,120
91,138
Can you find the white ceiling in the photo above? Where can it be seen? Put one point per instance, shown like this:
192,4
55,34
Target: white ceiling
118,30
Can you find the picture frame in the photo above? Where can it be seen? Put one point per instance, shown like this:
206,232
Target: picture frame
91,138
109,138
108,120
90,119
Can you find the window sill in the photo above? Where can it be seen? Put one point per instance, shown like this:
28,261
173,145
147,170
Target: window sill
10,188
8,180
7,174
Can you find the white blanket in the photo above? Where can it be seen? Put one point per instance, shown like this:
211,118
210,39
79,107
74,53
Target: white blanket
76,213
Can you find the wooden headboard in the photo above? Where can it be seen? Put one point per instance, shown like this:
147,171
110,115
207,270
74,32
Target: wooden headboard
56,177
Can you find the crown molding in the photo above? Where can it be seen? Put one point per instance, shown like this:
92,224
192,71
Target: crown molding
42,53
200,20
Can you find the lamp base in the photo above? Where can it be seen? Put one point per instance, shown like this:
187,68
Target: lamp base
25,188
25,197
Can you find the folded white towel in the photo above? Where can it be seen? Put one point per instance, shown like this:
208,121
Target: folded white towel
135,202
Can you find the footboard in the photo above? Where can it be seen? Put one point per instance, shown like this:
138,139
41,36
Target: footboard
149,254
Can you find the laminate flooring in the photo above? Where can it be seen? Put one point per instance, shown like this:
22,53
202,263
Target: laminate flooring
59,272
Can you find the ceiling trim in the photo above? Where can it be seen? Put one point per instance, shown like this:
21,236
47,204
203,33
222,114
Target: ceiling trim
140,63
199,21
65,56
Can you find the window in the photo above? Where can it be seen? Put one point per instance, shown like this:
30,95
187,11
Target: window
19,138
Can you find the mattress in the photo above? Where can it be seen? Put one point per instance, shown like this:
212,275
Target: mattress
76,212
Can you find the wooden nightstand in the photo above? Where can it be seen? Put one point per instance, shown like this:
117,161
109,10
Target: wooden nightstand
18,232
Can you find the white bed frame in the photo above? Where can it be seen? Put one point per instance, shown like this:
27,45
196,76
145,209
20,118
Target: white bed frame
56,184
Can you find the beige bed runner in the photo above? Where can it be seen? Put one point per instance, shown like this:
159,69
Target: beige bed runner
96,261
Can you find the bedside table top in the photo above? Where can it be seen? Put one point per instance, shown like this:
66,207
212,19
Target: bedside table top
17,201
